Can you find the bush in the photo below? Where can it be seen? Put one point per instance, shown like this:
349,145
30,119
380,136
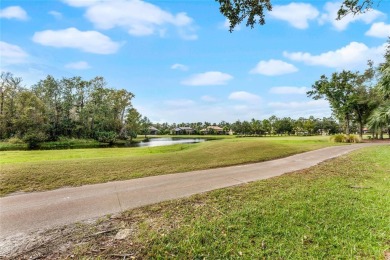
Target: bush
106,137
343,138
15,140
33,139
339,138
355,139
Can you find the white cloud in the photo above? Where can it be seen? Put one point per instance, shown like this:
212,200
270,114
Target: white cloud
208,98
177,103
380,30
294,105
13,12
12,54
244,96
288,90
56,14
178,66
83,3
354,55
296,14
139,18
330,15
87,41
208,79
79,65
273,68
316,108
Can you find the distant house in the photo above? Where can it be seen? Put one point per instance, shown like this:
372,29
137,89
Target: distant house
213,130
153,130
183,130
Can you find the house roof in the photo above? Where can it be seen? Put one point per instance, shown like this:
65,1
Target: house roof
153,128
185,128
215,128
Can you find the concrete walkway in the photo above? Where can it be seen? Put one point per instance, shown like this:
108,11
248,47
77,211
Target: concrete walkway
21,214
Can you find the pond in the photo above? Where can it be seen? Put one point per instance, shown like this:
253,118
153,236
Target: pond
152,142
166,141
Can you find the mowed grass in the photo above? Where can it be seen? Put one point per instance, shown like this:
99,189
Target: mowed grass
336,210
45,170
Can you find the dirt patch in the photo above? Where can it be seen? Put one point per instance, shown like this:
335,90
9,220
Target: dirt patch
377,141
48,244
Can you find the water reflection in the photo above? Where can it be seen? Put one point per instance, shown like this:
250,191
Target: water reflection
166,141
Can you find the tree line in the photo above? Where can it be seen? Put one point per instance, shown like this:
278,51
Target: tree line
269,126
69,107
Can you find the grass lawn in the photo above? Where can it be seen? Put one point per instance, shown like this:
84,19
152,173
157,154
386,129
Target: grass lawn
51,169
336,210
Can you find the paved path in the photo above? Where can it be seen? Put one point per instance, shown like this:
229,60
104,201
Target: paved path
21,214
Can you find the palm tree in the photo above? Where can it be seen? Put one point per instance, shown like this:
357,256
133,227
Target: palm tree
379,119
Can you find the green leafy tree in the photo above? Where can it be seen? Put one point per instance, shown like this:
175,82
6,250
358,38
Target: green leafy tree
10,87
237,11
266,126
50,92
256,126
133,123
380,118
144,126
339,91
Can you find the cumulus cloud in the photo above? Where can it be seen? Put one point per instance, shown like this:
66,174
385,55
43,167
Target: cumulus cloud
178,66
12,54
13,12
354,55
316,108
208,79
288,90
79,65
84,3
273,68
296,14
208,98
56,14
87,41
139,18
244,96
330,15
379,30
294,105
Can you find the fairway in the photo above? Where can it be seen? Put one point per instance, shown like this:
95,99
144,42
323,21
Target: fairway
335,210
50,169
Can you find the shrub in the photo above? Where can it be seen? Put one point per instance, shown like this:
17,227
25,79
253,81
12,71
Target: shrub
339,138
355,139
33,139
15,140
106,137
343,138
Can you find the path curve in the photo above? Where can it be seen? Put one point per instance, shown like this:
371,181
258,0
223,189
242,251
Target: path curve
24,213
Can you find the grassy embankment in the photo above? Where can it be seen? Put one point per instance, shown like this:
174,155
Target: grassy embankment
51,169
336,210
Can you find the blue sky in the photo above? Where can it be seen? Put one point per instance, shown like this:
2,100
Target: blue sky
180,60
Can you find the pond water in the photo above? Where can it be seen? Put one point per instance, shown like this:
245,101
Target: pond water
166,141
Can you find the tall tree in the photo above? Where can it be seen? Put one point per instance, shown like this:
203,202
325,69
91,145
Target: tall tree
133,123
339,91
50,92
380,118
10,87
